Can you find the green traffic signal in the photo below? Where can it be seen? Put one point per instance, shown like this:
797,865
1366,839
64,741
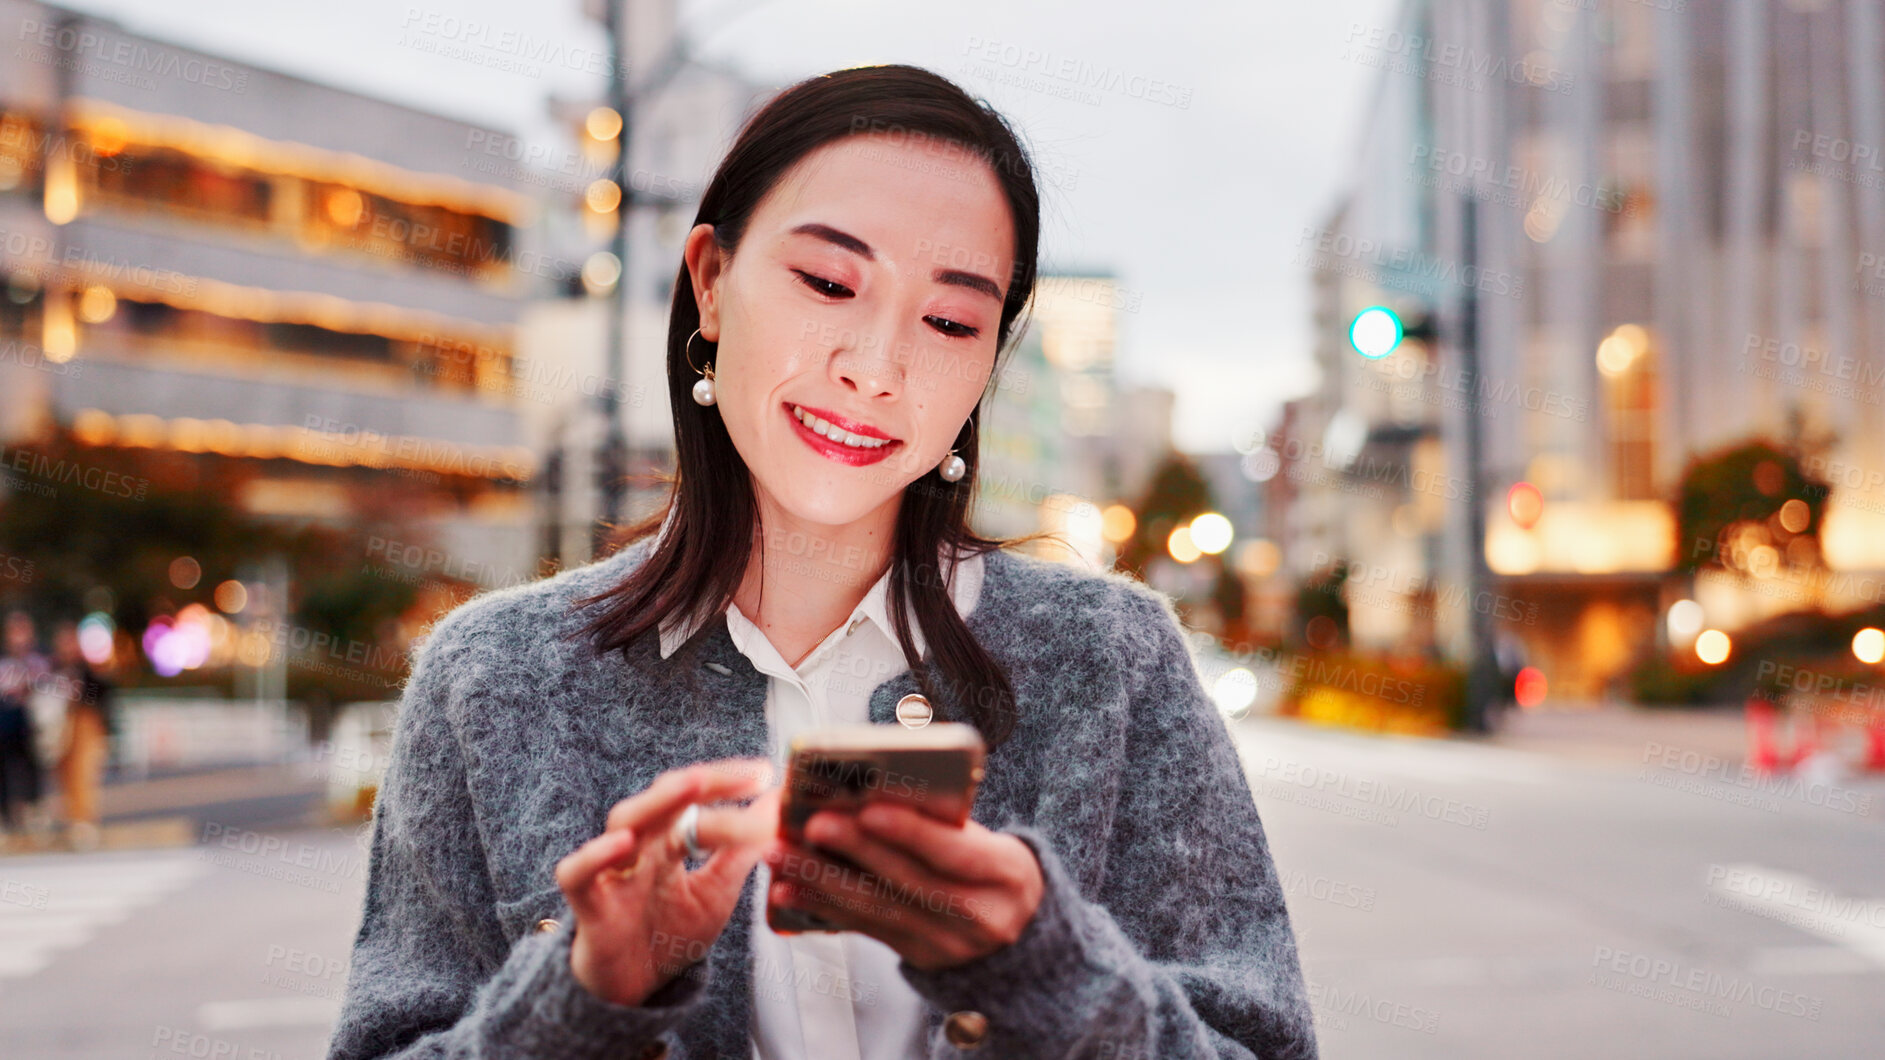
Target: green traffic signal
1376,332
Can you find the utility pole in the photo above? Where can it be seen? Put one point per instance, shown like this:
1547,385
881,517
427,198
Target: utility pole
612,457
1482,676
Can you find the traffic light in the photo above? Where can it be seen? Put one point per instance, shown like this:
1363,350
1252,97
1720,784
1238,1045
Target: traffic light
1378,331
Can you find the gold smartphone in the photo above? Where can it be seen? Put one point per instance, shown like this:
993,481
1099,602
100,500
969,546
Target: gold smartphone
935,769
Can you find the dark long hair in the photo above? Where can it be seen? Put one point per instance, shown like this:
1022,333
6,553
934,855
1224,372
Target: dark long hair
697,566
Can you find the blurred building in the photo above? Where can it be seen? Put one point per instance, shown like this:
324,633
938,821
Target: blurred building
1676,212
1142,436
1052,446
204,256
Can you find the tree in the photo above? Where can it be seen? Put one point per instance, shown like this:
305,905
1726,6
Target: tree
1177,493
1749,507
117,518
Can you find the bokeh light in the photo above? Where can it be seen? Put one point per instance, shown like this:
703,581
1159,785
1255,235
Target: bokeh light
232,596
1525,503
1259,558
1181,547
97,304
1685,619
1794,516
602,123
1211,533
1868,645
600,272
1713,646
1234,691
1117,523
1528,689
185,572
95,637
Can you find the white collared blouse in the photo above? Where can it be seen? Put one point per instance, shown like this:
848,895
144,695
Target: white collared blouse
830,996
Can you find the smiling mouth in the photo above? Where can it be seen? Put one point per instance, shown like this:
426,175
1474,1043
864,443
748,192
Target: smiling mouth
836,434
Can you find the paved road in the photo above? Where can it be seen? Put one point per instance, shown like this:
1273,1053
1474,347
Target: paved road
1455,900
1451,900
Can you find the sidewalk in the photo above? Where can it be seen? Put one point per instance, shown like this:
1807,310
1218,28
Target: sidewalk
171,810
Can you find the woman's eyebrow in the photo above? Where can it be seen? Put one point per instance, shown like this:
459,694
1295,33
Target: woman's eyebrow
837,238
955,277
973,281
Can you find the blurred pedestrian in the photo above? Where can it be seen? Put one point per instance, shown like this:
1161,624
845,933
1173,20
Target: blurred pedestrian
22,670
86,741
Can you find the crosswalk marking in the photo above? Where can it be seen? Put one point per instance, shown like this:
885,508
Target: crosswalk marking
1855,923
58,902
267,1012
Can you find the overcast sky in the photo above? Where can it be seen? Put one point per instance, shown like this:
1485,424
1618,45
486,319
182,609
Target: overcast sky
1197,209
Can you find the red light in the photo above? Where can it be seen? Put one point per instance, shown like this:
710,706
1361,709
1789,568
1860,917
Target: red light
1529,688
1526,504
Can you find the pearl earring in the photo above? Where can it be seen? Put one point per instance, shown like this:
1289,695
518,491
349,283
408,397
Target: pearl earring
703,390
952,468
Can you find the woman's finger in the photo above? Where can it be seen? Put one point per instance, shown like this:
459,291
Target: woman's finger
673,790
839,832
962,853
725,873
578,869
804,882
739,826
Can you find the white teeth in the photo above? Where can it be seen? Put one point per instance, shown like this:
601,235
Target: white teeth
837,434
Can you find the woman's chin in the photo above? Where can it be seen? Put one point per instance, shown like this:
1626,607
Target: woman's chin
835,504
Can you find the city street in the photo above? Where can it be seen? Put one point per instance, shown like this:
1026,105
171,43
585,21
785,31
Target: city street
1452,900
1499,434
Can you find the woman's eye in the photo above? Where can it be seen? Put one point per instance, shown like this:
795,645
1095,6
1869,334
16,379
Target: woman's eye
823,286
953,329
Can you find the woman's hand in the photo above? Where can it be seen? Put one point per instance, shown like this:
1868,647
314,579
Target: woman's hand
637,931
937,894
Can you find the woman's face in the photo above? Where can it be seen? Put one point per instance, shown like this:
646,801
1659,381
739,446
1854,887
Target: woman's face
865,293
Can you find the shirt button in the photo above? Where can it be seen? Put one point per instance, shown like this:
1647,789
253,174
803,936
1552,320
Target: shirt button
965,1029
546,925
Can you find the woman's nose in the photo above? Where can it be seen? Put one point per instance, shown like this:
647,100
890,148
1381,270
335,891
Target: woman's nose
867,368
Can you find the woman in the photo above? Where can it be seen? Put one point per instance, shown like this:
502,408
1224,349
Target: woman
857,262
22,670
86,742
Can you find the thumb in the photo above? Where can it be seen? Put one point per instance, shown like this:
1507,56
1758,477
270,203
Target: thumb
724,874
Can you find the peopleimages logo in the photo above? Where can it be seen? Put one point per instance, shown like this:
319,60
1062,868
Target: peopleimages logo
132,55
1678,762
1399,267
1377,44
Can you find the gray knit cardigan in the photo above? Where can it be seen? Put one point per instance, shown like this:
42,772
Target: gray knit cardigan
1162,932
